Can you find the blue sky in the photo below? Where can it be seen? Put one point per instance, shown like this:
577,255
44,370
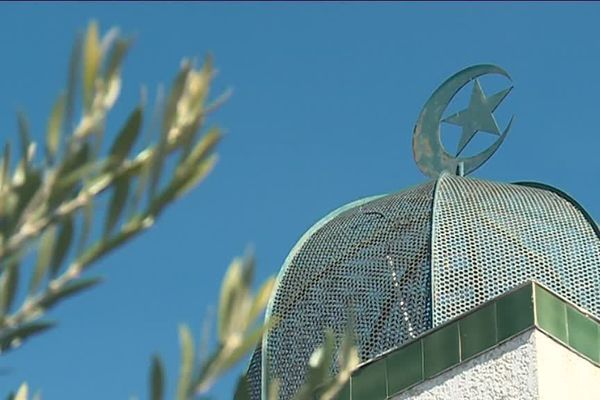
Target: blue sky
325,100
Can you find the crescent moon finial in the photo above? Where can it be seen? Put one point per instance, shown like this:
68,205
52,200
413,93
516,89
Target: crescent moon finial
430,154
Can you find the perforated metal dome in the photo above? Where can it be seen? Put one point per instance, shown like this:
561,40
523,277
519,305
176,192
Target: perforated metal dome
409,261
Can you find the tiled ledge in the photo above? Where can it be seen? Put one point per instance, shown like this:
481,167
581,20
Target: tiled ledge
503,318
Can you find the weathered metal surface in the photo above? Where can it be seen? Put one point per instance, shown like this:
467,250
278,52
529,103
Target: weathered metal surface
409,261
491,236
429,152
369,259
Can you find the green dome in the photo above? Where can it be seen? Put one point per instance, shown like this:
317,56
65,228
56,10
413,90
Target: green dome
406,262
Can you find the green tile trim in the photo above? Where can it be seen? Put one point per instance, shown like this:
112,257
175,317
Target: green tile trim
441,350
566,323
370,382
525,307
514,312
344,394
583,334
551,314
478,331
404,367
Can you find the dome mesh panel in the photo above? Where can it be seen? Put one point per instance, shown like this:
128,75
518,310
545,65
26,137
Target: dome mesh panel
490,237
254,373
373,259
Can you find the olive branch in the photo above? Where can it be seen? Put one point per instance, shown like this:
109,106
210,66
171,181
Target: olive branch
49,208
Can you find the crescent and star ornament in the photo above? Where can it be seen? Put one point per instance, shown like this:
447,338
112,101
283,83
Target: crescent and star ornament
429,152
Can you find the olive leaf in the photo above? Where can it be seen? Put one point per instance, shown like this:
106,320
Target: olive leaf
187,363
91,62
117,202
14,337
126,138
62,244
72,288
47,245
8,286
54,130
23,392
5,168
24,134
157,377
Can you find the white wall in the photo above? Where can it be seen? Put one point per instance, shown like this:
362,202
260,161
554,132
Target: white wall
529,366
563,374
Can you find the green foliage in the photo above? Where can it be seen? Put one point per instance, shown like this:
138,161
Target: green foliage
23,394
48,207
321,383
239,330
48,200
319,375
157,378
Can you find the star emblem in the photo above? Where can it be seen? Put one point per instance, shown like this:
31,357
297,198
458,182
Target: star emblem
478,116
